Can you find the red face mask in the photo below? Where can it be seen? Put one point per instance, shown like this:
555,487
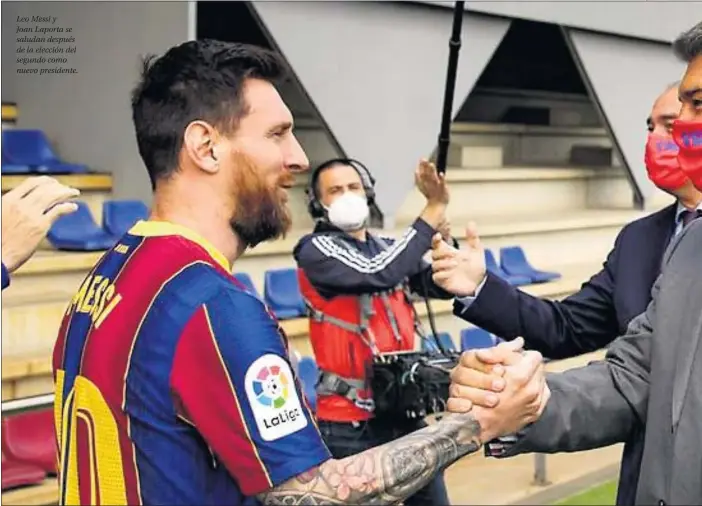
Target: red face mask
662,163
688,137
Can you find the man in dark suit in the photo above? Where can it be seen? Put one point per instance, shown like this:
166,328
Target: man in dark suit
651,379
593,317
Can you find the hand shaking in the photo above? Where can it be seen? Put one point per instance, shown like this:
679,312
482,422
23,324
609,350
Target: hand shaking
504,387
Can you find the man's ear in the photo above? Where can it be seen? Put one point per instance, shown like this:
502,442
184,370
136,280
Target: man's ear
201,144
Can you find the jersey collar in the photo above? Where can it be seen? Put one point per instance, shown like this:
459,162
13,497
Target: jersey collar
163,228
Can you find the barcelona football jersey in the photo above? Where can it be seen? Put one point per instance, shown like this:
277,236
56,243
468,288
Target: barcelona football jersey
173,383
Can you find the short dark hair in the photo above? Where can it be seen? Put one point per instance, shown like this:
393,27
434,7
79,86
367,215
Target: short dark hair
688,45
196,80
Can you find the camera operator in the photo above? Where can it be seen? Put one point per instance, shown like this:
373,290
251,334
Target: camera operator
356,286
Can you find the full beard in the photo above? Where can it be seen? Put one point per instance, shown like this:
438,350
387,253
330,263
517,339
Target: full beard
260,214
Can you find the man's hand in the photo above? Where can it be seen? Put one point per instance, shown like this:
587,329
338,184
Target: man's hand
28,212
518,377
459,271
431,184
444,229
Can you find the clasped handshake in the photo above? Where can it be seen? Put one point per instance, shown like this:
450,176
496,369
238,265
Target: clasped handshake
504,387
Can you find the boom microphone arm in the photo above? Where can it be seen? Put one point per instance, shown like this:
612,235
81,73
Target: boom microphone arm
445,133
454,48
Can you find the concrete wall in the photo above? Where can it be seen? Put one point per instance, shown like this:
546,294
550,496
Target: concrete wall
661,20
87,115
625,76
376,73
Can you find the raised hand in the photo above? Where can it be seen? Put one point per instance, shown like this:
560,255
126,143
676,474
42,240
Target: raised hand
431,184
28,212
459,271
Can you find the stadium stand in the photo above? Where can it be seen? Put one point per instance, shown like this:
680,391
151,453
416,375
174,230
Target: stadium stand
513,261
30,438
309,372
118,216
18,474
445,340
550,211
494,267
476,338
282,294
32,148
78,231
9,114
245,280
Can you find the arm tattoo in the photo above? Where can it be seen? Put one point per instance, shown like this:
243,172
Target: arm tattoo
386,474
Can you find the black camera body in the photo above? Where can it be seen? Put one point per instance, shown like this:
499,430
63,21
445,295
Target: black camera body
411,385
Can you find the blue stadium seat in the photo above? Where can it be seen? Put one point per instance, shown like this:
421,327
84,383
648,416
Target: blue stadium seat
309,373
429,344
11,168
476,338
118,216
79,232
281,292
32,148
245,280
514,262
492,266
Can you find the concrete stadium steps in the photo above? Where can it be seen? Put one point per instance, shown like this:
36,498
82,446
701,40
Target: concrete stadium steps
94,190
549,239
531,144
43,493
313,138
564,109
30,326
9,114
474,157
583,237
504,191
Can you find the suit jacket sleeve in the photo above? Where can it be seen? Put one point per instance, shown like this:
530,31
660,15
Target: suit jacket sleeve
599,404
423,285
584,322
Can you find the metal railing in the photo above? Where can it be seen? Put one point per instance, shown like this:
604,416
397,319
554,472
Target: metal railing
27,404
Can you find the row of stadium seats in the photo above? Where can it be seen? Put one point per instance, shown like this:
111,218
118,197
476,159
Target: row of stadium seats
515,268
30,152
28,448
471,339
79,231
282,291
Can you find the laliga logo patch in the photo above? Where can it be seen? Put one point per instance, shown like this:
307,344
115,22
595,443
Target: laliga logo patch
274,402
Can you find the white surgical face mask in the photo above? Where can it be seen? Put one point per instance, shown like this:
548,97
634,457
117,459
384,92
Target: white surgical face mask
348,212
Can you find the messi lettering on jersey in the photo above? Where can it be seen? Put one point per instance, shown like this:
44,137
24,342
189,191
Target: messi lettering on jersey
172,385
97,297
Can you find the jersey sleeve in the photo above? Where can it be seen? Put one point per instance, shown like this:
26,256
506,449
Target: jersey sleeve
233,381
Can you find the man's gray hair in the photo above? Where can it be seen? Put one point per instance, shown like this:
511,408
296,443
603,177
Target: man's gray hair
688,45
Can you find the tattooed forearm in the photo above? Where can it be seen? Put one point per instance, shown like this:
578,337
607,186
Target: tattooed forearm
386,474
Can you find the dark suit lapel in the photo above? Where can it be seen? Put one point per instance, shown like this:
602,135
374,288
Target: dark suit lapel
661,234
685,358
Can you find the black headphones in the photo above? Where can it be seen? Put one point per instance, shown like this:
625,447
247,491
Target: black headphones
314,206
